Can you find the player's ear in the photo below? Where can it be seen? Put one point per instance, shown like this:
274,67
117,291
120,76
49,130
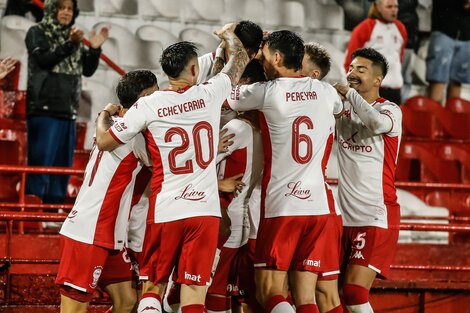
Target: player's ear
378,80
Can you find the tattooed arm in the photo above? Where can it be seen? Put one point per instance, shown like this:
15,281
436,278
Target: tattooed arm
238,58
219,61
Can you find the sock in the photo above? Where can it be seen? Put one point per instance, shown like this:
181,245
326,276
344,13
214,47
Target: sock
307,308
171,300
356,298
218,304
278,304
150,303
193,308
355,294
360,308
338,309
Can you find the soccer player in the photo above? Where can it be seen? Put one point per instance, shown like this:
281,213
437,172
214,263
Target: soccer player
316,64
368,136
244,157
296,124
96,228
181,127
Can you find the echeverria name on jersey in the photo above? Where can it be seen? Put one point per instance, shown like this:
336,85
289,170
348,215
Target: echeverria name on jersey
181,108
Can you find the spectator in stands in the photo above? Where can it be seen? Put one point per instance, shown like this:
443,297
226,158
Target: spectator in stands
383,32
408,15
57,60
6,66
448,58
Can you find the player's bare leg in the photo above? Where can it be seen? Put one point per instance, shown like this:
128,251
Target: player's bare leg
193,298
151,301
272,290
327,296
357,283
436,91
123,296
302,284
69,305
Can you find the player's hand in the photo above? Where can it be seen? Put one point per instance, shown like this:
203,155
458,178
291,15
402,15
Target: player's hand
342,90
224,141
113,108
224,31
76,35
232,184
97,39
6,66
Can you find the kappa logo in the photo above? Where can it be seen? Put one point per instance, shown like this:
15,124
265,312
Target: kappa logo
347,113
357,255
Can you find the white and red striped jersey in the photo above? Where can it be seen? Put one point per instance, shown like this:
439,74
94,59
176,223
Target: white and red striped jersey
245,156
181,129
367,162
296,124
101,211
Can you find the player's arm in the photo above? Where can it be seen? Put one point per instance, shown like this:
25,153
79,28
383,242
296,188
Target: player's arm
219,61
237,56
374,120
104,139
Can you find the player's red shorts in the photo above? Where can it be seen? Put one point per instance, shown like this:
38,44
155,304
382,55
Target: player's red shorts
246,270
224,281
369,246
303,249
189,244
80,268
118,268
331,256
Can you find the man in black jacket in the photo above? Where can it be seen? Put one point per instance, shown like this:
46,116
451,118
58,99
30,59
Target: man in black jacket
448,60
57,60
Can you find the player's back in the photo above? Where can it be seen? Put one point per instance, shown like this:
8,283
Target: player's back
182,129
297,123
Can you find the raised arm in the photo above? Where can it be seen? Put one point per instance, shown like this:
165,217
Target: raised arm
104,140
237,56
374,120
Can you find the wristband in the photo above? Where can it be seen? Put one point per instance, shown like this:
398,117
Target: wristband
220,53
106,112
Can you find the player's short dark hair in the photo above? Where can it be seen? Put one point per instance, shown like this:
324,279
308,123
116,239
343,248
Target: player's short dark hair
132,84
373,55
290,45
176,56
254,72
250,34
319,56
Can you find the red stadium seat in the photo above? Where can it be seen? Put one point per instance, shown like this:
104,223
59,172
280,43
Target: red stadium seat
417,163
424,117
81,134
459,115
455,164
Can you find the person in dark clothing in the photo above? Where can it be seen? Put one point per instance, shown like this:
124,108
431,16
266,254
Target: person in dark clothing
448,60
408,15
57,60
22,7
